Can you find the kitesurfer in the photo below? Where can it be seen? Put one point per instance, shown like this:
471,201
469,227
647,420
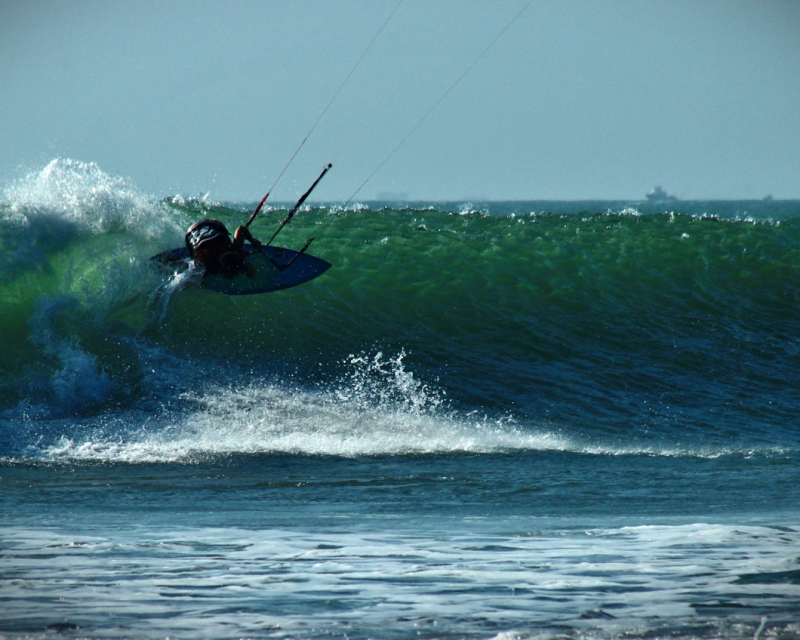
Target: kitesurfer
210,247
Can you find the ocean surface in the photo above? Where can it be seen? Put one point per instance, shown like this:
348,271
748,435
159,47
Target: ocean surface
487,420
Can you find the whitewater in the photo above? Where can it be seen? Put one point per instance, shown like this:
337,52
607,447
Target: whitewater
486,420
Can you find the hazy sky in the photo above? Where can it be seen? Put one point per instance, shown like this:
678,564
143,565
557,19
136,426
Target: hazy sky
578,99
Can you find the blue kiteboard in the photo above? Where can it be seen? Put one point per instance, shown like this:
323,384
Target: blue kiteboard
276,268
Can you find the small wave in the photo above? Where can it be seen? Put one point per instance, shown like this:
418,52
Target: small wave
377,408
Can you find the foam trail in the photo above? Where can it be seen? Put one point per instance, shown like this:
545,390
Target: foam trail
159,301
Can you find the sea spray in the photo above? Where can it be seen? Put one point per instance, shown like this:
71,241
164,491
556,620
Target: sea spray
81,194
375,408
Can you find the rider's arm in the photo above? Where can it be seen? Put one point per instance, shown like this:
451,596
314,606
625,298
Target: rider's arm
242,234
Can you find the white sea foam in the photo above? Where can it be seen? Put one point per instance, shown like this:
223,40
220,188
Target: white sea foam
378,408
461,581
81,194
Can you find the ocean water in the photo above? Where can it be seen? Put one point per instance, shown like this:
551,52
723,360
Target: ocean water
487,420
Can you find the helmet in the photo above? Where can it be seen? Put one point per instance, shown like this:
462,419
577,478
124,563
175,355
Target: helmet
204,231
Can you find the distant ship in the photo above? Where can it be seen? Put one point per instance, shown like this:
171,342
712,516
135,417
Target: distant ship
659,195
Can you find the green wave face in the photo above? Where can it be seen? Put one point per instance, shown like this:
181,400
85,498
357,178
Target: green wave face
540,309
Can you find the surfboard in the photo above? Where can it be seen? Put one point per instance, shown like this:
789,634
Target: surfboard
276,268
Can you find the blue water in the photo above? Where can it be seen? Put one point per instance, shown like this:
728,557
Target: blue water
487,420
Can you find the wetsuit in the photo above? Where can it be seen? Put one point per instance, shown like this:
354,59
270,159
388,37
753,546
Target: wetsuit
209,244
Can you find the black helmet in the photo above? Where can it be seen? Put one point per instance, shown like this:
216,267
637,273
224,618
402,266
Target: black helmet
204,231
